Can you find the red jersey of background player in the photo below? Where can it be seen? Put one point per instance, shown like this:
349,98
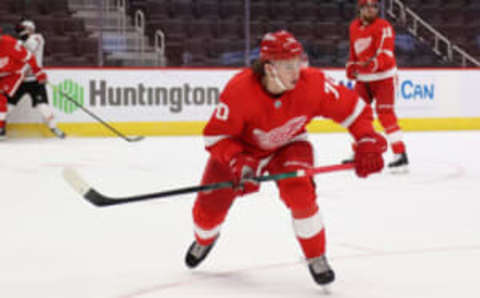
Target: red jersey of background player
14,57
248,119
14,61
373,43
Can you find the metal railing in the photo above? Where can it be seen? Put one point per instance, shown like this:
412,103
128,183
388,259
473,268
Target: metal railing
159,43
117,9
139,23
84,3
122,19
442,46
465,56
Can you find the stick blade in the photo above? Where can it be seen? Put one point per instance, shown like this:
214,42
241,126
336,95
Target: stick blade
79,185
75,181
135,139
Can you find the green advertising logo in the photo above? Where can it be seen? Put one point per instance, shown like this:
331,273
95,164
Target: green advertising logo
71,89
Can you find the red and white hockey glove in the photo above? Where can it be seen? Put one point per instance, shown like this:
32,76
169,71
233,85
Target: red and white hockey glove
352,70
243,168
41,77
368,155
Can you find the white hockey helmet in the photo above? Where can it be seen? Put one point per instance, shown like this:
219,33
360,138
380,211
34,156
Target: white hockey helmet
25,27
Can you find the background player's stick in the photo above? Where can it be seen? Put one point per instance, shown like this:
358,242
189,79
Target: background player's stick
100,200
111,128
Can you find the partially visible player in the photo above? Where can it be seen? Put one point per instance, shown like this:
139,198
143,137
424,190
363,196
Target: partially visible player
372,64
35,43
14,60
259,126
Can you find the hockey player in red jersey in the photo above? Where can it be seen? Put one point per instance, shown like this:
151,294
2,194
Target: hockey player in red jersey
372,64
14,59
259,126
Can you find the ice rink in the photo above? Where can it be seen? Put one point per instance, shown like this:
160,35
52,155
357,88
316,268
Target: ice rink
389,236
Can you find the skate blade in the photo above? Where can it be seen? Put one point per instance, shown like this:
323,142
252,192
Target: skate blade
402,170
59,134
326,290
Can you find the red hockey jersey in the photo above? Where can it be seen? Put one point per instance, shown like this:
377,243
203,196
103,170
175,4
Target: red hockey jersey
373,43
14,58
248,119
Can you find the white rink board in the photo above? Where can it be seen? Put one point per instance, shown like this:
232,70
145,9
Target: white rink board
157,95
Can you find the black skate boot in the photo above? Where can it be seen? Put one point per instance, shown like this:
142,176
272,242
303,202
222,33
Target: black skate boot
197,253
321,271
58,133
399,163
3,133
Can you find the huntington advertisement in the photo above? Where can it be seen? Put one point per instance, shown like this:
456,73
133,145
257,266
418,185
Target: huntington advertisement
162,95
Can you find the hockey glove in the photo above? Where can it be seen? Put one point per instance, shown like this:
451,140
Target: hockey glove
352,70
243,168
368,66
41,77
368,155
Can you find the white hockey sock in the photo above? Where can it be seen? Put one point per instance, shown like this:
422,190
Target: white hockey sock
47,114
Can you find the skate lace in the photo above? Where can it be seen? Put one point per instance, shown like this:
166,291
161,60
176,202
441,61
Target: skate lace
199,250
319,265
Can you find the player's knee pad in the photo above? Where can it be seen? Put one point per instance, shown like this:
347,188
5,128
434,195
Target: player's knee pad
210,208
387,117
297,193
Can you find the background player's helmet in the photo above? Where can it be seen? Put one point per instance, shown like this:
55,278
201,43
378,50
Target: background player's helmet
279,45
24,28
363,2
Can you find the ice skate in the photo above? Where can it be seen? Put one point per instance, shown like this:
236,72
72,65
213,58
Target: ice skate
58,133
399,165
197,253
321,271
3,133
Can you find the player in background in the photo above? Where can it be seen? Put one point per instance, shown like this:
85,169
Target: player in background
259,126
14,61
372,64
35,43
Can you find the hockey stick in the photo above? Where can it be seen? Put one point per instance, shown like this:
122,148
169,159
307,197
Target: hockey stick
100,200
111,128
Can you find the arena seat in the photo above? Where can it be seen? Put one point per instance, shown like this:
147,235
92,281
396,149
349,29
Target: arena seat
321,25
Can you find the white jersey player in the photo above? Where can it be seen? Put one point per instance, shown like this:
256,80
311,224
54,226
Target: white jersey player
35,43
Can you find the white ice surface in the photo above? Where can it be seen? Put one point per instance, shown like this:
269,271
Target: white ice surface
389,236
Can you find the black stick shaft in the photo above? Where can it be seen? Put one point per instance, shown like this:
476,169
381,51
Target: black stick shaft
101,200
113,129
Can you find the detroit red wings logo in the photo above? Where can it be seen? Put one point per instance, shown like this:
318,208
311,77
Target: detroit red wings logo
279,136
362,44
